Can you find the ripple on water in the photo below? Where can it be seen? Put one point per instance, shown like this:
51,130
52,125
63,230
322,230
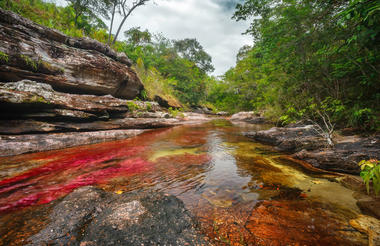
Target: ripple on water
241,192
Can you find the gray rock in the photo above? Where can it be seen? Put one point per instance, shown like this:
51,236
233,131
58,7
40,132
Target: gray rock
249,117
305,144
90,216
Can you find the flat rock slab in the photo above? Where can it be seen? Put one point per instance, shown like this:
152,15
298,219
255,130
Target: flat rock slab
91,216
15,145
304,143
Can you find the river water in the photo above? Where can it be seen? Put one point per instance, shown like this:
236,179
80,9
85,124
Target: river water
240,191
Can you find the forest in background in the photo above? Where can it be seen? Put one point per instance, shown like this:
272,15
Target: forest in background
310,60
316,60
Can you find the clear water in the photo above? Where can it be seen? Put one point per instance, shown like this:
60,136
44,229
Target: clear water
240,191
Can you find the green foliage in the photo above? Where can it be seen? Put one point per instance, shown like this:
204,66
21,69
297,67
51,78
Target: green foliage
307,52
148,106
30,62
193,51
176,112
370,172
171,72
4,57
132,106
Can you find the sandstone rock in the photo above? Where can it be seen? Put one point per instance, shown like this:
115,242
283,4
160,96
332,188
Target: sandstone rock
19,144
369,226
370,206
280,222
75,65
305,144
27,96
90,216
249,117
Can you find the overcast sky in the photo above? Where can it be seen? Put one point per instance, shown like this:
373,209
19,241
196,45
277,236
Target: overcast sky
209,21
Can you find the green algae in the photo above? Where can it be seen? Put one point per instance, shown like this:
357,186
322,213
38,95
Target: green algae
170,152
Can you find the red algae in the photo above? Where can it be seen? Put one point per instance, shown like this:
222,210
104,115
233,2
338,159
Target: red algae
220,185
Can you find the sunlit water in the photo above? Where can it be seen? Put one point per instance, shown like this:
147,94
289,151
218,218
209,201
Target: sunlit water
240,191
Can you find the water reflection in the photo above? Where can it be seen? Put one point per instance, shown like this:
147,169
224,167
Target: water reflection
241,192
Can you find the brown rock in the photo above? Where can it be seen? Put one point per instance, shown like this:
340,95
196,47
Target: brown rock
75,65
370,206
27,96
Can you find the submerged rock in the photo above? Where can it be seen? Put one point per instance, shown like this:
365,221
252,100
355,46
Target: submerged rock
90,216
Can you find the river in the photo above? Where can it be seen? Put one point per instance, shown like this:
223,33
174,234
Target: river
241,192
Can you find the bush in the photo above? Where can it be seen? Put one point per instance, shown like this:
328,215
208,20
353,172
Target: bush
370,171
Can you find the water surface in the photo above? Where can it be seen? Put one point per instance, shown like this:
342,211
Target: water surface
240,191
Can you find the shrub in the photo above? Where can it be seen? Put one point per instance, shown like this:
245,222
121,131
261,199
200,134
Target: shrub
3,57
370,171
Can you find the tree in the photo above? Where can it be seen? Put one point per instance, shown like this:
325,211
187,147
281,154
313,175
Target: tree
89,8
192,50
125,9
137,37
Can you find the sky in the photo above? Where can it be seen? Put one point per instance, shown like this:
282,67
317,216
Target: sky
209,21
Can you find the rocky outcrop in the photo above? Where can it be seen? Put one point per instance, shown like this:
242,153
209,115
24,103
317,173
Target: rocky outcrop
305,144
32,112
74,65
249,117
90,216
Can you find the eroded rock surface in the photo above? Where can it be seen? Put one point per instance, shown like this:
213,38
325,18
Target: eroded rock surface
15,145
35,117
75,65
305,144
90,216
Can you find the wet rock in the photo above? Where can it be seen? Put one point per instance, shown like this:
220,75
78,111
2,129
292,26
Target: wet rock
370,206
35,126
280,223
250,117
90,216
305,144
369,226
75,65
289,139
15,145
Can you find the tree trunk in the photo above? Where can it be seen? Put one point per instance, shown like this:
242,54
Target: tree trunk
125,17
113,15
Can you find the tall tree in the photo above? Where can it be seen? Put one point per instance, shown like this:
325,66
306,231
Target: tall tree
125,9
192,50
89,8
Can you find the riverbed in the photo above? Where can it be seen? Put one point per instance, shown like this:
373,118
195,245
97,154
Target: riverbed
241,192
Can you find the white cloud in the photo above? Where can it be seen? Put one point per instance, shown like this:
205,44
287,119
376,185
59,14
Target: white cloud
206,20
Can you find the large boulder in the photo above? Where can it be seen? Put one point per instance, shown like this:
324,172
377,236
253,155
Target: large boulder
90,216
75,65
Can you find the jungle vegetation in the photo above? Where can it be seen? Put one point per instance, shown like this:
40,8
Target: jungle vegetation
313,60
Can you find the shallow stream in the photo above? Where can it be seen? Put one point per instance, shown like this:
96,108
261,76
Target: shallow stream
241,192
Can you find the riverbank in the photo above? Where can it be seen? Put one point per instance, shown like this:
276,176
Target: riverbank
302,142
